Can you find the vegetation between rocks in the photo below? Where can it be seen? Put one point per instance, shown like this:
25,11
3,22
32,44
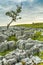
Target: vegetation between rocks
5,52
13,37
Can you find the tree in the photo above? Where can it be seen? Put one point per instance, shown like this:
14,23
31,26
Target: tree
14,14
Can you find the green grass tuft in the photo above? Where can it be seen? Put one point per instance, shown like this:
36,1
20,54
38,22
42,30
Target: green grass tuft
10,38
5,52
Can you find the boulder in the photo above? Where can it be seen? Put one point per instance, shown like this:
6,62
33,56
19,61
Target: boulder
27,61
29,45
7,45
11,61
4,61
9,56
18,63
21,44
1,57
2,38
10,44
36,59
0,62
3,47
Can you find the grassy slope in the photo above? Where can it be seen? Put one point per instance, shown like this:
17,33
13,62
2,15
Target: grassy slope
34,25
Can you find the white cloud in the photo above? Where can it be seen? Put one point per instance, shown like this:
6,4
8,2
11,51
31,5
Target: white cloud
31,0
18,0
21,0
5,8
1,7
8,8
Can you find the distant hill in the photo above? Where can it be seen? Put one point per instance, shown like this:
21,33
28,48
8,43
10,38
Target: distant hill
34,25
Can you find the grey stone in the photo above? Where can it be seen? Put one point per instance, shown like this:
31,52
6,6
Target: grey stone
18,63
10,44
11,61
3,47
0,62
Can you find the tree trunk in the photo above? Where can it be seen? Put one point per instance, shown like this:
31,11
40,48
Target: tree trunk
9,24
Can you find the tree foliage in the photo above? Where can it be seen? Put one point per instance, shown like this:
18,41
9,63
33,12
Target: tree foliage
14,14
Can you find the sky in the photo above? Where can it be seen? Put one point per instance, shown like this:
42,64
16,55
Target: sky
32,11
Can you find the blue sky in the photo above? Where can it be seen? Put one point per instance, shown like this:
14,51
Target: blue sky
32,11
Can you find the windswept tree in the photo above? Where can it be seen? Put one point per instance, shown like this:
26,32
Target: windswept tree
14,14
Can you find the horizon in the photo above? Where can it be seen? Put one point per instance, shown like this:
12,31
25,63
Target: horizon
22,24
32,11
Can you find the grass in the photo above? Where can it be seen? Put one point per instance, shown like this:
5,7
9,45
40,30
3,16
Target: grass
13,37
34,25
40,38
41,54
37,36
40,64
5,52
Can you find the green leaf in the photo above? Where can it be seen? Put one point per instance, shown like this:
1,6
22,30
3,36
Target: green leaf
9,14
14,12
19,17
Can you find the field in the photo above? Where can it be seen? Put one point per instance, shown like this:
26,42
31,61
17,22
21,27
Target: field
34,25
